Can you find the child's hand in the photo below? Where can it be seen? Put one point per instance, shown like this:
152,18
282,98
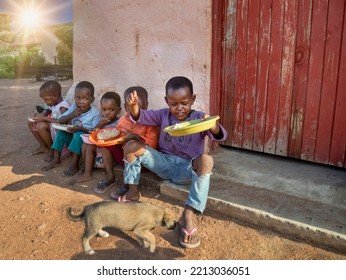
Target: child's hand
104,121
132,98
77,112
73,129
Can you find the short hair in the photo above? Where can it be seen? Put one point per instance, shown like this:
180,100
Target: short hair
179,82
141,92
112,95
86,84
51,87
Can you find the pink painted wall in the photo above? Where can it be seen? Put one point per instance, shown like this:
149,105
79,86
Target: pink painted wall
121,43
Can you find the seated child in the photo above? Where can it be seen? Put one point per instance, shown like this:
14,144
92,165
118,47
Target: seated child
40,125
179,159
110,108
147,135
84,117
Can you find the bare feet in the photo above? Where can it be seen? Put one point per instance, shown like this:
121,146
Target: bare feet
51,165
83,177
69,172
40,150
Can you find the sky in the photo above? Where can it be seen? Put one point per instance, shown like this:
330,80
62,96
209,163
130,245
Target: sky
50,11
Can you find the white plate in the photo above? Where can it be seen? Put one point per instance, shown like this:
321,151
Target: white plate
63,127
85,138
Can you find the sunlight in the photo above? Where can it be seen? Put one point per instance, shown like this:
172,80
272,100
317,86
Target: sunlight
28,15
30,18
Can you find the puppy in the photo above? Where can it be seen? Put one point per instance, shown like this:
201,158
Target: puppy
135,216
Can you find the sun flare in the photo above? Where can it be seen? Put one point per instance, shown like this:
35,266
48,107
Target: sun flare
30,18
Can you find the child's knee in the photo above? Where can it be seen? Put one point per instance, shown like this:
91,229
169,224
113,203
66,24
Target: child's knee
134,147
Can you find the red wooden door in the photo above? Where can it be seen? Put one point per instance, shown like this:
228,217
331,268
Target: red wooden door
279,78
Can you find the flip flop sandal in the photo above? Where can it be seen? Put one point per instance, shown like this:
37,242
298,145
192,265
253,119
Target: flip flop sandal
119,192
188,233
102,187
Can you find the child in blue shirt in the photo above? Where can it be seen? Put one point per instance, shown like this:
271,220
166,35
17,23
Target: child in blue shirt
179,159
110,109
84,117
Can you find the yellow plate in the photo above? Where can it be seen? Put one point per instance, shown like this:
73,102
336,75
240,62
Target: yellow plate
191,127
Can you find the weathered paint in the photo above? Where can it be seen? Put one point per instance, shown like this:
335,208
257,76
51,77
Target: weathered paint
288,94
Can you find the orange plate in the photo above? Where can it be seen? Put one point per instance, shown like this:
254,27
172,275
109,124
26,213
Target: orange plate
110,142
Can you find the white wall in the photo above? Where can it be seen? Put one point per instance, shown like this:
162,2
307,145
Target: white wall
121,43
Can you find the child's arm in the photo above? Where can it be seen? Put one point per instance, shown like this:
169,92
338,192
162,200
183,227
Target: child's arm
215,130
132,103
65,119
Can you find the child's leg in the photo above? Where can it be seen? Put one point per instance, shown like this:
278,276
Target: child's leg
88,154
108,165
61,139
197,199
75,146
37,130
132,151
55,162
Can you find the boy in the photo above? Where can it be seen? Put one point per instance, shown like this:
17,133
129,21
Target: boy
179,159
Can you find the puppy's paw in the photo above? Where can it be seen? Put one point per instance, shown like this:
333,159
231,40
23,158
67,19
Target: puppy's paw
103,233
90,252
152,249
145,243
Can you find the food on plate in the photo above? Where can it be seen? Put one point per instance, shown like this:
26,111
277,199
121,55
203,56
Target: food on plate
107,134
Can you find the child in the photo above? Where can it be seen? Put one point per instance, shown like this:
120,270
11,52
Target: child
147,135
40,125
84,117
179,159
110,108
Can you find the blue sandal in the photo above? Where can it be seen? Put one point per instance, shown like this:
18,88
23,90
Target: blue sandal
102,187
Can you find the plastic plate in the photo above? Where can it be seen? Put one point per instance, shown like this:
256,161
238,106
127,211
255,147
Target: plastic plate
110,142
191,127
63,127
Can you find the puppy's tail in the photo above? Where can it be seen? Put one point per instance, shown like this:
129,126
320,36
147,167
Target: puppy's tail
73,217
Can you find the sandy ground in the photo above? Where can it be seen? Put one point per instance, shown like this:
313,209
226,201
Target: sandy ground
34,226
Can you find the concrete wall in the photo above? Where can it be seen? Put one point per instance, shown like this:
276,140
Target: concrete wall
121,43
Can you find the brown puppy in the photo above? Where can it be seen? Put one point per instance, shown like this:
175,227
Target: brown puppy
135,216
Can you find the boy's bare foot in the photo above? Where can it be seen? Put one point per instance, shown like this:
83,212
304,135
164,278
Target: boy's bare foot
83,178
70,172
40,150
51,165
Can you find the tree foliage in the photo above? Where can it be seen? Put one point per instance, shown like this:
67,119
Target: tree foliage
65,45
32,57
7,67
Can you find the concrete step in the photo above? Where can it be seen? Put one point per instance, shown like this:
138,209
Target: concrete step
292,197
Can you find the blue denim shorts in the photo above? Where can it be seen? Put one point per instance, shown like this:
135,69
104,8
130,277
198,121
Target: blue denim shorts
173,168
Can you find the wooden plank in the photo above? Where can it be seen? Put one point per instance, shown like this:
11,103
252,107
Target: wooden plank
240,77
300,77
262,74
313,94
287,76
229,64
329,85
251,73
338,143
216,57
274,76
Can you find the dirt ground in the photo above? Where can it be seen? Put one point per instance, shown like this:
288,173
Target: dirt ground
34,226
